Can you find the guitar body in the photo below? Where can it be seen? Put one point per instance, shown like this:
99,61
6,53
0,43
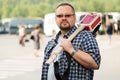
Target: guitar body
91,22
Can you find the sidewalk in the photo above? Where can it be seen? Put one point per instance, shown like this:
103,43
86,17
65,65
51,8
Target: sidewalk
18,63
103,41
110,61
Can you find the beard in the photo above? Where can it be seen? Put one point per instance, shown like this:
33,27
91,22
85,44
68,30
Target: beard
65,27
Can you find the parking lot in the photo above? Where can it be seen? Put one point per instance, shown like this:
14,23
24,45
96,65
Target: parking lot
19,63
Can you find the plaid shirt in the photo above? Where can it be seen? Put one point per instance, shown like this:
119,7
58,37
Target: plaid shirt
84,41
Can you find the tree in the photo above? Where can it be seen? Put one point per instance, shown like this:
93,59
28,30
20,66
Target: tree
38,8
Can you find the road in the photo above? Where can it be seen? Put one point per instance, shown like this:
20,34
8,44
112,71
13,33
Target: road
19,63
110,63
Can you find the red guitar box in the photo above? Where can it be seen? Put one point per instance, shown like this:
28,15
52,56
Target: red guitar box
91,21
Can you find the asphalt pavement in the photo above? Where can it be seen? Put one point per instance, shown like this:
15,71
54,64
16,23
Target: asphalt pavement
110,63
19,63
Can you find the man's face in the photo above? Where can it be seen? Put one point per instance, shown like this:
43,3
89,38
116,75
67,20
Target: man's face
65,17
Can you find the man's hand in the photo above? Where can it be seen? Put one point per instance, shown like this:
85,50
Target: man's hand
67,45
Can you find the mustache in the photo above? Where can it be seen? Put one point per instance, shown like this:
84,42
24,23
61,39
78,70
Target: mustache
64,20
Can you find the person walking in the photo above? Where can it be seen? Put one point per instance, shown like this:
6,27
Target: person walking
79,57
35,36
22,34
110,30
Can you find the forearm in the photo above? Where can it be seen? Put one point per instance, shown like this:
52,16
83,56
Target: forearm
85,59
82,57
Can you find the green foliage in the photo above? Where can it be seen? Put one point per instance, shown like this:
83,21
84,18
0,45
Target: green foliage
38,8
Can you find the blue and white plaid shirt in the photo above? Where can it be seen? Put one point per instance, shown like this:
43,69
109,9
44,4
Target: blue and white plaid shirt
84,41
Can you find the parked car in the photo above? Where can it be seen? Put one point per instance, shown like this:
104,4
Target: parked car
11,25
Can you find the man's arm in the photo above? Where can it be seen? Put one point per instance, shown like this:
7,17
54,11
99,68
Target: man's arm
82,57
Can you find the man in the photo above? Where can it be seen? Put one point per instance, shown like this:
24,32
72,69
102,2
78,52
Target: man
80,56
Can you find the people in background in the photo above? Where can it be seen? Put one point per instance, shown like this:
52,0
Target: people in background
110,30
35,36
22,34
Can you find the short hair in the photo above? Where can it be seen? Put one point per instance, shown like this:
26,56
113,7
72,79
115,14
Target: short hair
20,26
63,4
37,27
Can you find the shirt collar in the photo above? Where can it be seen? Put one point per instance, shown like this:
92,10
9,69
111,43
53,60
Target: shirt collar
69,33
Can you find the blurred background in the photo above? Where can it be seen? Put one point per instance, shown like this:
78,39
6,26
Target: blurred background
31,12
18,63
